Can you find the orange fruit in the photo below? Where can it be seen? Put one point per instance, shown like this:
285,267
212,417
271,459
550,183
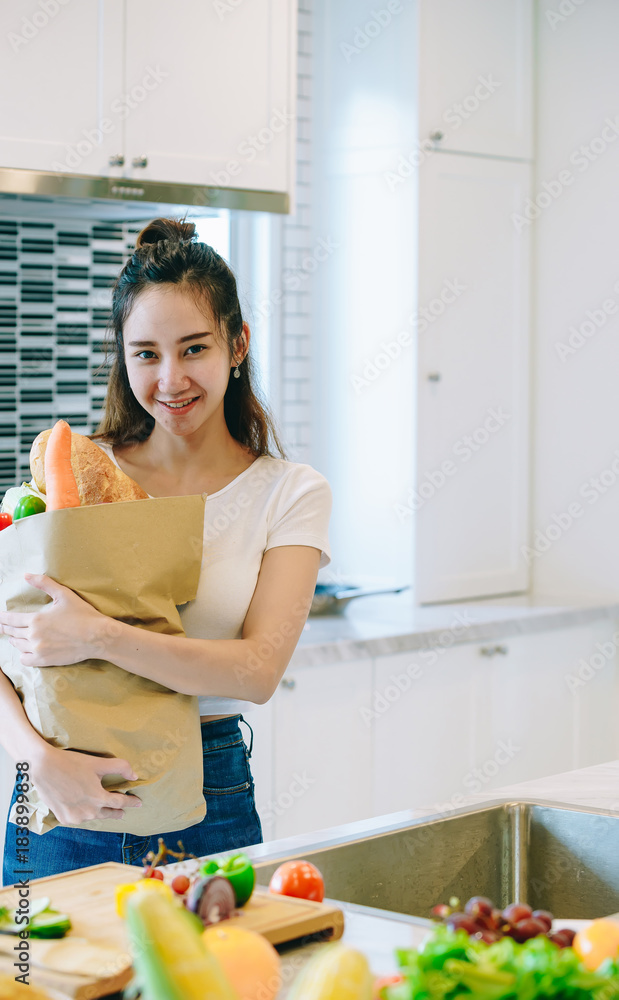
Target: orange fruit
596,942
249,961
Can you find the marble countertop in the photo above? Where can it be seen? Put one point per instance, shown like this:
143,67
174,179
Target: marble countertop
392,623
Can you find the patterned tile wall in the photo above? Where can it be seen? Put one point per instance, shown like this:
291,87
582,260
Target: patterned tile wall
55,281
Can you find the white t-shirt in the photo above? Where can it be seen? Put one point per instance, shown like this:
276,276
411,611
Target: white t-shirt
271,503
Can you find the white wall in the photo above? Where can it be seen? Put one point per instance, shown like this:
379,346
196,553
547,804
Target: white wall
576,418
364,118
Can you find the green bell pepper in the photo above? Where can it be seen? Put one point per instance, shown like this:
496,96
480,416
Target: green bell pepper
239,871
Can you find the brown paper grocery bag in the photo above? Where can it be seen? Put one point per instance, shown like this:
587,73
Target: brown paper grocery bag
134,561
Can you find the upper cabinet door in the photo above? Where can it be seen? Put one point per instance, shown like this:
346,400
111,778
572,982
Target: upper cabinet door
475,76
61,74
212,92
471,493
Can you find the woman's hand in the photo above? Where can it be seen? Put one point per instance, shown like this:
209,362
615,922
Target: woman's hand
70,784
67,630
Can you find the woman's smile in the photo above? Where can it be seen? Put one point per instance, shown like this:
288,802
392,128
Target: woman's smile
178,406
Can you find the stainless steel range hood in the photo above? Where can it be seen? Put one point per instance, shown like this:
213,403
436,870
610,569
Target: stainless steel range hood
42,183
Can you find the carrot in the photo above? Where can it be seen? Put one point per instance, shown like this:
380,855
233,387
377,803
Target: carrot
60,485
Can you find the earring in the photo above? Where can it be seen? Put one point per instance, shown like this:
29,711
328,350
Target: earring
237,373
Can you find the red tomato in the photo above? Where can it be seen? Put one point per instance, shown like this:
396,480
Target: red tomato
150,872
298,878
180,884
5,520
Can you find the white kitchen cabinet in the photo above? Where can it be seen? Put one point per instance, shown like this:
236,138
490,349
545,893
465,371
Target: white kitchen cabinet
60,74
321,747
200,94
223,110
475,76
538,702
470,497
472,717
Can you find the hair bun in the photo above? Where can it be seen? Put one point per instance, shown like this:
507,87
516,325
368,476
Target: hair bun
174,230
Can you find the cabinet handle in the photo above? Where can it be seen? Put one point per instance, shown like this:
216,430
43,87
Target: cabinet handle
117,160
493,650
437,135
289,683
139,161
434,377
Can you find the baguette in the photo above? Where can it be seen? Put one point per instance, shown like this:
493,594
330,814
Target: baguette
98,479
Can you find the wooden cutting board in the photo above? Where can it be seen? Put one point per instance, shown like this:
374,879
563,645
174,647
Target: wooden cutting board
87,896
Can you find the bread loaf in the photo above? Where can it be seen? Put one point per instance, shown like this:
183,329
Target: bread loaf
98,479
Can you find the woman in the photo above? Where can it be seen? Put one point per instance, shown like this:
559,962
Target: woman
181,417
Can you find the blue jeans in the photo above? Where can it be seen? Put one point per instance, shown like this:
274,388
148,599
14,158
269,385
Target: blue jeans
231,819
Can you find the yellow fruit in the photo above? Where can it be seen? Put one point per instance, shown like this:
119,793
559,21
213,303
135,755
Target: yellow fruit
249,961
336,972
170,957
144,885
596,942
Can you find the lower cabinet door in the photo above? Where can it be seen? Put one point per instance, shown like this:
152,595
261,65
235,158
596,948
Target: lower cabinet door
555,719
425,717
321,748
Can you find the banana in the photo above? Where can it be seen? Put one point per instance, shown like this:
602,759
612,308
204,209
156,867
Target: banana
169,955
336,972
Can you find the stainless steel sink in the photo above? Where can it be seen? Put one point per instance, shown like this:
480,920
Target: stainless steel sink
553,857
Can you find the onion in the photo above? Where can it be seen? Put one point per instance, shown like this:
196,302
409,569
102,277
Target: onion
212,898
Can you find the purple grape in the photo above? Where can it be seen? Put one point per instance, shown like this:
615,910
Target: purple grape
478,906
545,917
528,928
461,921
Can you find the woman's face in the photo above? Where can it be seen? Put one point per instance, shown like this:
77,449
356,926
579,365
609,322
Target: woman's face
177,365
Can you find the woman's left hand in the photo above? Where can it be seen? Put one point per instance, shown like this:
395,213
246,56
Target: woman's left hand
67,630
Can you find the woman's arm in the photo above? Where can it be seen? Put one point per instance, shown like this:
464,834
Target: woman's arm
249,668
69,630
68,782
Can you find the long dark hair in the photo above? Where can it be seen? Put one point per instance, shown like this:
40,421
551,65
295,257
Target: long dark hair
167,252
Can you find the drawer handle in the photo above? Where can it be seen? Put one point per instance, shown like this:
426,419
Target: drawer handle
117,160
289,683
139,161
494,650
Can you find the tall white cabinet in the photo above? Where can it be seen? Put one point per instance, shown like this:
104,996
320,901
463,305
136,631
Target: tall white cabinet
473,375
472,456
